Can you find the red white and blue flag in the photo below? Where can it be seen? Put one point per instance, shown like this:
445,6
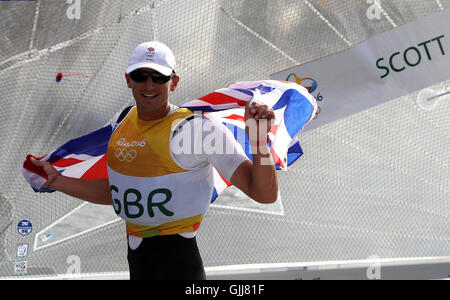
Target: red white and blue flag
294,107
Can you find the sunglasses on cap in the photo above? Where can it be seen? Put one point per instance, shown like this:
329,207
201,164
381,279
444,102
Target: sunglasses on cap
142,76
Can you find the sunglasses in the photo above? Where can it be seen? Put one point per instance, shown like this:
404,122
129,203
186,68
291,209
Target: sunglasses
142,76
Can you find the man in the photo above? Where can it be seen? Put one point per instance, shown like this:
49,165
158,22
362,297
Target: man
164,194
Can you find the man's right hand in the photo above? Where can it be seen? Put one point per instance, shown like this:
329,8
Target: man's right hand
95,190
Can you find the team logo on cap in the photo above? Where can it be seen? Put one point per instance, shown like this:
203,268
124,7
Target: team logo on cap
151,52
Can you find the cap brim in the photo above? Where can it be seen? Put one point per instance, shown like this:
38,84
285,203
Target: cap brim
161,69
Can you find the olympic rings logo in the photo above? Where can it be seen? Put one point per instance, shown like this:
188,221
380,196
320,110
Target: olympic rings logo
310,85
125,154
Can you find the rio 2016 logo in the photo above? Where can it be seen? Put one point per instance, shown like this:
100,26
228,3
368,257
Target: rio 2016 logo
309,84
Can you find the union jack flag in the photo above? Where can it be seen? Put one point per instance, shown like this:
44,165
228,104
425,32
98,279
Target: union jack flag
294,107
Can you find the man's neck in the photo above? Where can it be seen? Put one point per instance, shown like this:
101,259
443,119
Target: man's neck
153,115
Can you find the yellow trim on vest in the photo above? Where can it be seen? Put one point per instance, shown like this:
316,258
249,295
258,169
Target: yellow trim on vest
179,226
142,148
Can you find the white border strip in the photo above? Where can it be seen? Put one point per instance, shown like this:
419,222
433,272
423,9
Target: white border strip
285,270
320,265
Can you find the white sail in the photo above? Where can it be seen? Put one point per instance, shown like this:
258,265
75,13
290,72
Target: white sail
373,183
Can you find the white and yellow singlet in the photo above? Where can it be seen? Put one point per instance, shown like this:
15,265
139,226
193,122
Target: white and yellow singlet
150,190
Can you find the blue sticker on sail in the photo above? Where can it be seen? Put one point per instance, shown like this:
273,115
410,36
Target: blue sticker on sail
24,227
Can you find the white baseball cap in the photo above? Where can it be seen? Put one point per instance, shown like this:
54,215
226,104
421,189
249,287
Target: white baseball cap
153,55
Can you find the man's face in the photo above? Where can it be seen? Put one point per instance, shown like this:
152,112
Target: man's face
152,99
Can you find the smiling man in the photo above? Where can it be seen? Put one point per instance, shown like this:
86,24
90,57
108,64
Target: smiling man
163,196
154,60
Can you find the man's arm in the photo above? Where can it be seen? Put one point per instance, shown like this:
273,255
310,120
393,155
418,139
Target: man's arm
258,179
94,191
